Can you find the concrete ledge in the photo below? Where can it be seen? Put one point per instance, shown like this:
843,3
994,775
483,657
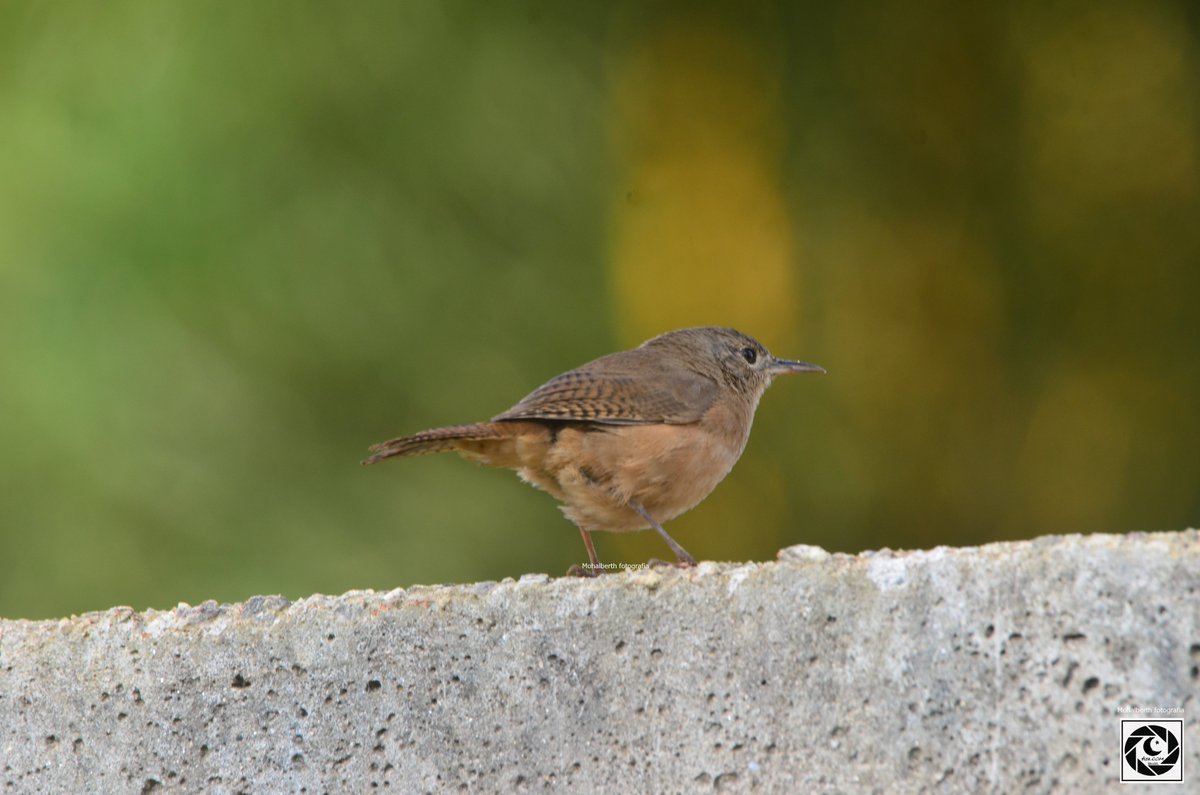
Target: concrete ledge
1000,668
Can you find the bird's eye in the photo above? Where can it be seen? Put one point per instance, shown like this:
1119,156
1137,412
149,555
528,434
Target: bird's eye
750,355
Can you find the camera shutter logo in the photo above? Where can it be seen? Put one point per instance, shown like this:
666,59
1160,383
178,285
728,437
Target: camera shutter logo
1152,750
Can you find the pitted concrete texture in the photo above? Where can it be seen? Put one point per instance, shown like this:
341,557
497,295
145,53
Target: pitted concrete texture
996,669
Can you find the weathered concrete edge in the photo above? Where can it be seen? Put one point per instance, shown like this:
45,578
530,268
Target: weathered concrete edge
995,668
880,562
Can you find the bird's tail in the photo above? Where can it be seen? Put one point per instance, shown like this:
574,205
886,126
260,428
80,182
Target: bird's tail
438,440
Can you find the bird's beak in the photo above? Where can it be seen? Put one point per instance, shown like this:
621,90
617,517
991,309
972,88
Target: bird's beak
781,366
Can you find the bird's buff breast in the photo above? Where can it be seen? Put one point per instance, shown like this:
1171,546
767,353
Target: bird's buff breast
668,469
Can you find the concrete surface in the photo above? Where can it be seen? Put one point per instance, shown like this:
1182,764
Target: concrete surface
1001,668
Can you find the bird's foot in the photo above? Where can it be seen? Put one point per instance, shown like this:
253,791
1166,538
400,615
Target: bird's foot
673,564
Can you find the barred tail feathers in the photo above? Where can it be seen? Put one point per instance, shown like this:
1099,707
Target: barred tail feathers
436,440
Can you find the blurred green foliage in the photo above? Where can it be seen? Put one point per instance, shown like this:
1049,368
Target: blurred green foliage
240,242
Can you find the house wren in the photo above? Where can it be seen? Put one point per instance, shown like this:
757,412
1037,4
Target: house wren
630,440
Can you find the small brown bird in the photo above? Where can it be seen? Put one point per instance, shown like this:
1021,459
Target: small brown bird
630,440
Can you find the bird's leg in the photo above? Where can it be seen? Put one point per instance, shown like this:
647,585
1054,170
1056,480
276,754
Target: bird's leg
591,550
680,553
594,568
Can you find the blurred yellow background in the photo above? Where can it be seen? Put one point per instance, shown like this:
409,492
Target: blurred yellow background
241,242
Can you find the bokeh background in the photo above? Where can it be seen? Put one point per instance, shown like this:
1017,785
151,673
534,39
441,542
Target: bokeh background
240,242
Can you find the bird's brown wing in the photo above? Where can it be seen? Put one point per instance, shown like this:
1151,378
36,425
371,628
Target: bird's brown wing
626,388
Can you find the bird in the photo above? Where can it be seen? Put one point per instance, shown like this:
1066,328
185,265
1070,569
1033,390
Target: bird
628,441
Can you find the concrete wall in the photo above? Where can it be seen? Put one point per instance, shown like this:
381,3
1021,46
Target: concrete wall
999,668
